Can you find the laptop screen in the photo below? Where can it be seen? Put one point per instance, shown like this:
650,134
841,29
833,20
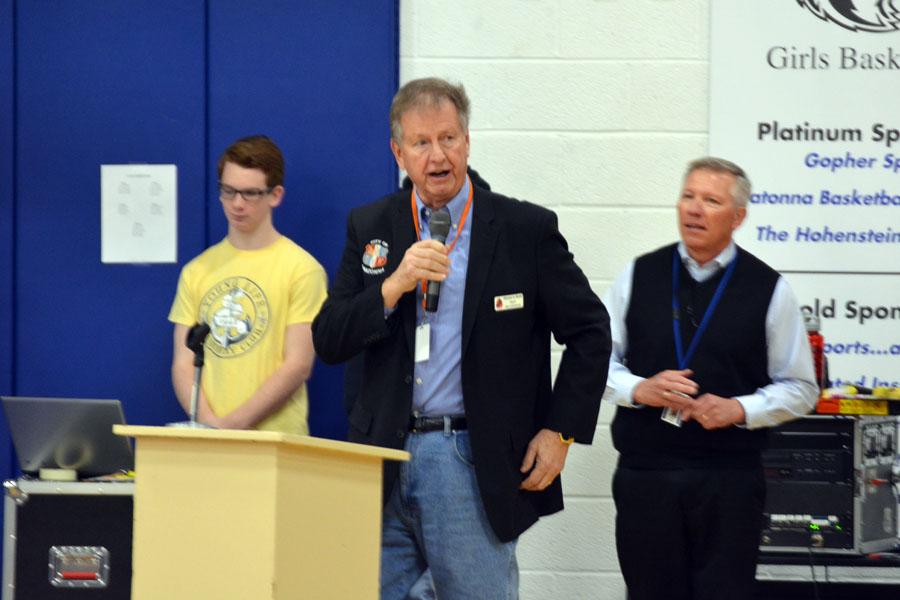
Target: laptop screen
67,433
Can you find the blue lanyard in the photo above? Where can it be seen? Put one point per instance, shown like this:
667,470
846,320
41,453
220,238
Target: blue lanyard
685,359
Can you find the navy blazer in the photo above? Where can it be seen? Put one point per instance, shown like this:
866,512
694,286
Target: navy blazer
515,248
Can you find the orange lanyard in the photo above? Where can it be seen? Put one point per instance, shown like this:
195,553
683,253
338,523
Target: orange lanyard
459,227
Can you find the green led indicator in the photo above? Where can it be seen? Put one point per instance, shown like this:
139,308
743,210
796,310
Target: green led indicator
813,527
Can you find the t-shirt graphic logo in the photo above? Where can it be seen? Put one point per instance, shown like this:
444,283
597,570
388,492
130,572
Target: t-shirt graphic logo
237,312
877,16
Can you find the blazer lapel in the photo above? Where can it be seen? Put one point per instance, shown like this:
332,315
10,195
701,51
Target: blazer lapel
404,236
481,253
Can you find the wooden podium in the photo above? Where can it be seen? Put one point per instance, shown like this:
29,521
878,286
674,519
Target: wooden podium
254,515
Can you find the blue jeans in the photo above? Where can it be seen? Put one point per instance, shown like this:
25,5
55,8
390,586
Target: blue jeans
435,520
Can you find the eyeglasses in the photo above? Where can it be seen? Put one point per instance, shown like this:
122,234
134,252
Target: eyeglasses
228,193
692,318
688,300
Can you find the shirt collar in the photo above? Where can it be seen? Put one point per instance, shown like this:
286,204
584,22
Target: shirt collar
719,262
456,206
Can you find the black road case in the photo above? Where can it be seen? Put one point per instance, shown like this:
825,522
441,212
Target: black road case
67,540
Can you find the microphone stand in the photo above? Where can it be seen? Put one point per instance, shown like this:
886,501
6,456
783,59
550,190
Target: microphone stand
195,338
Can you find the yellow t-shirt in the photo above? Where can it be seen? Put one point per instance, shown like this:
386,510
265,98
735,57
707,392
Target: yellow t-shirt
248,298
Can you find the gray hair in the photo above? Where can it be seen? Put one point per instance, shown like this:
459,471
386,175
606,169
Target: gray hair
428,92
741,189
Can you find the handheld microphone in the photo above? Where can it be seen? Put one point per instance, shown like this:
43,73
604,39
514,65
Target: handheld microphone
439,228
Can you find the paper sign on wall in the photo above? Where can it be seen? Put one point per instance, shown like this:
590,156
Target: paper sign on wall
138,214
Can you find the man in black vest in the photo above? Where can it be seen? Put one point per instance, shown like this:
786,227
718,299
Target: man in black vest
709,350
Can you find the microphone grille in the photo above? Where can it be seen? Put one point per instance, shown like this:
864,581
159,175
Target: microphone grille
439,225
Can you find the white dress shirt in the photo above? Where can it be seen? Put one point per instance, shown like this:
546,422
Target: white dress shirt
793,391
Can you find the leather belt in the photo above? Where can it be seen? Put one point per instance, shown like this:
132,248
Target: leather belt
423,424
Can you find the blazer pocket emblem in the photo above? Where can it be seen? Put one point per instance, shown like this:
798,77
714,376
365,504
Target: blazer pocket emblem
374,257
509,302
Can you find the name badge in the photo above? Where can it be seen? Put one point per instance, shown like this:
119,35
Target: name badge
509,302
672,417
423,342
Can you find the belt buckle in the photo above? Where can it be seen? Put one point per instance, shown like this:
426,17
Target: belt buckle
419,424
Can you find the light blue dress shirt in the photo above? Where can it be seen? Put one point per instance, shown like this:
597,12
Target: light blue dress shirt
437,383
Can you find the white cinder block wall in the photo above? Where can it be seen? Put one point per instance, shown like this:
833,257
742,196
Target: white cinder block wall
591,108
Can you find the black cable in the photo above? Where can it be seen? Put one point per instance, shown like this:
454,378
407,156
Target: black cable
812,570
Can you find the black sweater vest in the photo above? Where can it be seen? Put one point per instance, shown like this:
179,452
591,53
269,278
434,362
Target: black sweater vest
730,360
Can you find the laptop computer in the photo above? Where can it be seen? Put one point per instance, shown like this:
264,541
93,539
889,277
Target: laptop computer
67,433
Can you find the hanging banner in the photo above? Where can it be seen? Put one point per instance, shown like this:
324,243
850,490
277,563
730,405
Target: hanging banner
805,95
